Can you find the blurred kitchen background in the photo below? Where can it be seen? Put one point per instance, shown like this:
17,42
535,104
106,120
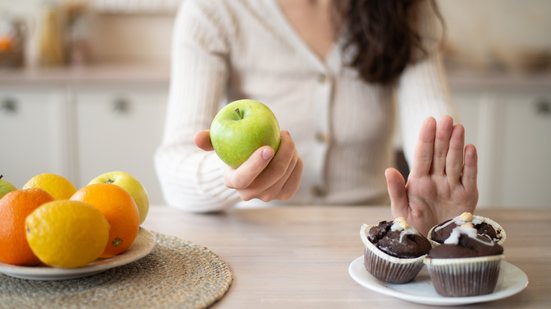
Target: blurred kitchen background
83,89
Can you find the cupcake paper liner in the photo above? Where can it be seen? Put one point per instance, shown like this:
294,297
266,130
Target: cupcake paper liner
458,277
496,226
385,267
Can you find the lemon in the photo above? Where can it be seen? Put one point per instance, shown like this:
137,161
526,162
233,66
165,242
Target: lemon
67,234
57,186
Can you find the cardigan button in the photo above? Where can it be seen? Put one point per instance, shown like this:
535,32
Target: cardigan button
323,138
322,78
319,191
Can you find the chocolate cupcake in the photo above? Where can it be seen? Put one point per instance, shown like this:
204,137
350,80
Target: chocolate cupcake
466,264
485,227
394,250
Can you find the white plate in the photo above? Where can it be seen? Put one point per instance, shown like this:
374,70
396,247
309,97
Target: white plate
511,280
142,246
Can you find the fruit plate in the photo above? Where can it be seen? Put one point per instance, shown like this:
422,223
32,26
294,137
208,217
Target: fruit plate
511,281
142,246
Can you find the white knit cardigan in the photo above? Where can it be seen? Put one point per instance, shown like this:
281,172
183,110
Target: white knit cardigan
343,128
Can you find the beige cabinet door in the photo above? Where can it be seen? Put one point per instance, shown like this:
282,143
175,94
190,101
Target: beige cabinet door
512,131
34,137
525,150
119,129
476,114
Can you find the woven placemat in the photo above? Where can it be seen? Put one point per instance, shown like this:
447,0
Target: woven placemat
176,274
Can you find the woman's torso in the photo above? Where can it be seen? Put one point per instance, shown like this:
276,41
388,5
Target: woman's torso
343,127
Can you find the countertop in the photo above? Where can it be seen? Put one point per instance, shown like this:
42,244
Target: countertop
298,256
104,73
109,73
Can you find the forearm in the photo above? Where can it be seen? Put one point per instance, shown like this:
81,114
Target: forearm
422,92
193,180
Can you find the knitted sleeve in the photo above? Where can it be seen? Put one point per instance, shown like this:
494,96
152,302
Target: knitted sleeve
422,90
192,179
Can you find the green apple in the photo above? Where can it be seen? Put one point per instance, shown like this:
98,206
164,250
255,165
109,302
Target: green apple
131,185
5,187
240,128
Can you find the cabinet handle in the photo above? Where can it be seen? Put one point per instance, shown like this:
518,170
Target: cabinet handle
543,107
9,106
121,106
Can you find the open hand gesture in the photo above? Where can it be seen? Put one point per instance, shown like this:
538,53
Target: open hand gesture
442,182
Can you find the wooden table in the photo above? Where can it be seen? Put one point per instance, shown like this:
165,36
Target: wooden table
298,257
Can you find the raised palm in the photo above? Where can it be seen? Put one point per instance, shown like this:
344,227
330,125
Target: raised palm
442,182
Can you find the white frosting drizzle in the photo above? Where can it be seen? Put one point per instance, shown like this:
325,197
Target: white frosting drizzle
443,225
465,225
460,220
400,224
477,221
469,230
409,231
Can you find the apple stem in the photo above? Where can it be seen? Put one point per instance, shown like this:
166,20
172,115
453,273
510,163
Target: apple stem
110,181
239,113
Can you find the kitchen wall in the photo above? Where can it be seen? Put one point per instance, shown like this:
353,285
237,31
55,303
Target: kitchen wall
481,34
119,30
129,38
498,33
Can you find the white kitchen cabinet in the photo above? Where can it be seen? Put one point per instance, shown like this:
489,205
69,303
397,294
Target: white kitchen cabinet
475,114
525,150
119,128
35,134
81,130
512,132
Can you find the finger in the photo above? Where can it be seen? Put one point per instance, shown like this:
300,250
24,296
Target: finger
293,183
245,174
454,159
470,169
277,167
422,159
202,140
441,144
274,191
396,186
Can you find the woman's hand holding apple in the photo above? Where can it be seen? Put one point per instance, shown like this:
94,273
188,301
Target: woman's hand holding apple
265,175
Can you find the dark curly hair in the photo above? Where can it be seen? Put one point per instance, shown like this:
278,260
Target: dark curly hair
384,36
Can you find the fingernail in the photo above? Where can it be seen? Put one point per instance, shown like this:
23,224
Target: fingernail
267,153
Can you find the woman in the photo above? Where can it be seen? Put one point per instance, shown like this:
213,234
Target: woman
339,76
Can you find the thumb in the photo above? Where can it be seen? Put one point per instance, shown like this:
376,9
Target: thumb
244,175
202,140
396,186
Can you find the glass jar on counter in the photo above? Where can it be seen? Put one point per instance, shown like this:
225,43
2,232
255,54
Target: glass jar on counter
12,41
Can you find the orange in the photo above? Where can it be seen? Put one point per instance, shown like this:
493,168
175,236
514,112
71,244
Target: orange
119,209
6,44
57,186
14,209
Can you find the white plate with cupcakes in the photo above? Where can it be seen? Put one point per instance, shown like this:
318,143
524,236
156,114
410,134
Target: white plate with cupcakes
463,258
